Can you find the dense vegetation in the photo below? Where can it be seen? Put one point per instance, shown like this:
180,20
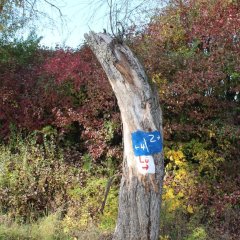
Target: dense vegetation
60,129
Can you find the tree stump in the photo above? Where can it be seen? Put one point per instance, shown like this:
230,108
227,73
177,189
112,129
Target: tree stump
143,166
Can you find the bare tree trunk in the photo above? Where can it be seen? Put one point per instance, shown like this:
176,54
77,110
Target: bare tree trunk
143,167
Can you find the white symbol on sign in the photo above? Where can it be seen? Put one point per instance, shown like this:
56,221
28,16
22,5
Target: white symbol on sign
145,164
152,138
143,146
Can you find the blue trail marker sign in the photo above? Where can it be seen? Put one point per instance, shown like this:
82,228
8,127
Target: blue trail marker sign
146,143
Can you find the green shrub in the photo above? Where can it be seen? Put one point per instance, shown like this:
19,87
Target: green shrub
197,234
19,51
36,182
47,228
33,178
84,208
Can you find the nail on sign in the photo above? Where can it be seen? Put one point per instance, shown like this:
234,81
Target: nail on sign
146,143
145,164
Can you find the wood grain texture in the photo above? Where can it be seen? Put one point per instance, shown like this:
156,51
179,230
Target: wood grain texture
140,195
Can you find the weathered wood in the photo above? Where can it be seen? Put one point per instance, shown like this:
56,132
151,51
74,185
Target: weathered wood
140,194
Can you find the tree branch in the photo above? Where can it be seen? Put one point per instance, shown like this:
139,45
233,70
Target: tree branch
54,6
108,187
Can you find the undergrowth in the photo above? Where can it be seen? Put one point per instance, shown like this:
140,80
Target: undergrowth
45,195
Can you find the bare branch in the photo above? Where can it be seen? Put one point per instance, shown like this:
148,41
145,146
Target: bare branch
54,6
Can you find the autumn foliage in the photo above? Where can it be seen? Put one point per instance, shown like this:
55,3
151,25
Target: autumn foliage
62,88
191,51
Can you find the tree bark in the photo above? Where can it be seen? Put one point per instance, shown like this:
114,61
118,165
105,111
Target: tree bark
140,190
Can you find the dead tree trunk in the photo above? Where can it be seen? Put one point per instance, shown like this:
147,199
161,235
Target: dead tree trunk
143,167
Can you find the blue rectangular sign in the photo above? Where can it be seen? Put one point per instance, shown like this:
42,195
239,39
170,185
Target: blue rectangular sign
146,143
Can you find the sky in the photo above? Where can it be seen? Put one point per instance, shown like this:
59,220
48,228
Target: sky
78,17
82,16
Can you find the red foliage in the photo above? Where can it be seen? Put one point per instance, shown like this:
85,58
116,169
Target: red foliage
196,49
67,65
59,88
192,50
